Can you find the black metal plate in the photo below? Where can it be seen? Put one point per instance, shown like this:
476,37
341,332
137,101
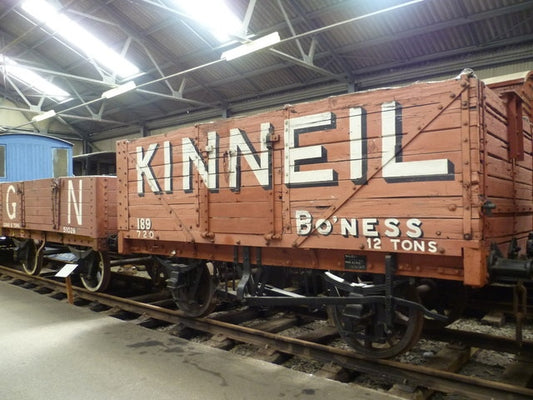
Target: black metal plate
354,262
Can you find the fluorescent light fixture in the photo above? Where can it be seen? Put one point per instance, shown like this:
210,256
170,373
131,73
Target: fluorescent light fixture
247,48
43,116
119,90
214,15
79,37
10,67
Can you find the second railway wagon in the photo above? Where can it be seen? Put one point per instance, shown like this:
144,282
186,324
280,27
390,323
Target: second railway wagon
67,215
399,197
25,156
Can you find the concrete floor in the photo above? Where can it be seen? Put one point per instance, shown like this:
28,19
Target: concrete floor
52,350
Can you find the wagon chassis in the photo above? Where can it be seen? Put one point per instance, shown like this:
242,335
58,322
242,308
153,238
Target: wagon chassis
379,320
94,266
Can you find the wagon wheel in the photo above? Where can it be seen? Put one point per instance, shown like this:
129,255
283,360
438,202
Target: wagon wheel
195,294
30,255
95,272
362,326
447,299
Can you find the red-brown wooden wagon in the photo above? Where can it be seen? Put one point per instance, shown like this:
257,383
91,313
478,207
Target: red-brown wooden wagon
47,217
392,195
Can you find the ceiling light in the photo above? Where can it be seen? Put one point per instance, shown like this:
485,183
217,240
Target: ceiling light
214,15
79,37
43,116
31,79
118,90
247,48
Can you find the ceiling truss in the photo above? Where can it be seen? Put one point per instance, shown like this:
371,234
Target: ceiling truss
313,57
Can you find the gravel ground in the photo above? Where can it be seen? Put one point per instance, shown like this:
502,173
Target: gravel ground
484,364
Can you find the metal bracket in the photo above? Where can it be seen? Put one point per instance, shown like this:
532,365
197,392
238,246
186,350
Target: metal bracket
390,268
246,272
519,309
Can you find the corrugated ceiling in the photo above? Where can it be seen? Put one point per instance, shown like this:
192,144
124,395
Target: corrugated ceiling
420,41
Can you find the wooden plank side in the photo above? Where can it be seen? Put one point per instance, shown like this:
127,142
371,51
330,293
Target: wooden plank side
505,188
162,224
332,159
520,172
434,99
511,206
76,206
495,103
11,195
34,201
497,139
67,206
122,184
502,225
241,224
441,207
509,183
106,204
241,209
381,189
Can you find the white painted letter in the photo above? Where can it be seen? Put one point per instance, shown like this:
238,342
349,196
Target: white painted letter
191,155
167,156
73,202
295,155
143,168
303,222
414,225
11,211
393,167
393,225
239,144
349,227
358,156
369,227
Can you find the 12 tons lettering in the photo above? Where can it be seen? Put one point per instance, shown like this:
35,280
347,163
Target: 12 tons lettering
378,233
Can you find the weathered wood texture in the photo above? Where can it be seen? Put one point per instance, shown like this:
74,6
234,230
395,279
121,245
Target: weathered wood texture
508,175
404,170
73,210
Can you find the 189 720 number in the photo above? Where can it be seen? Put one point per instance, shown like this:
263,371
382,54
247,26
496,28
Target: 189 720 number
144,228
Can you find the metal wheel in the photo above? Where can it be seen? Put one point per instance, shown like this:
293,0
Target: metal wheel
364,328
95,272
195,294
446,298
30,256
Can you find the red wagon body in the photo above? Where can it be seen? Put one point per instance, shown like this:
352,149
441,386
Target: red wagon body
71,211
433,172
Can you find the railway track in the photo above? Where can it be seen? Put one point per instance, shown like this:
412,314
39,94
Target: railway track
307,346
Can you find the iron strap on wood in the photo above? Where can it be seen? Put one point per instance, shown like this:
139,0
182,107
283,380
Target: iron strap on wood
356,189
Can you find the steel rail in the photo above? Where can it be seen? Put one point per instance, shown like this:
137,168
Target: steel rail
475,388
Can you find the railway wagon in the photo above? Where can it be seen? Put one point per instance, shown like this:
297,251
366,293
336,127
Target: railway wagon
68,216
399,198
98,163
25,156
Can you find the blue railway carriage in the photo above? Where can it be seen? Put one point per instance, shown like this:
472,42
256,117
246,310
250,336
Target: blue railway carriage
28,156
